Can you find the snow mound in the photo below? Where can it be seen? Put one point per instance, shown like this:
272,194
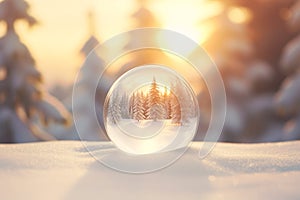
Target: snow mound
65,170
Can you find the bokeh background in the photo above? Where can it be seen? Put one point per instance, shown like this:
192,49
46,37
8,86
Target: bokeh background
255,45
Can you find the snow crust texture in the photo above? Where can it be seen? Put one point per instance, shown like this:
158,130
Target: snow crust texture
65,170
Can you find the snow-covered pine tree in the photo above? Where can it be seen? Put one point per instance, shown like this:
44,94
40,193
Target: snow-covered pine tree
230,50
140,106
156,110
109,116
247,54
134,106
143,17
21,93
131,106
146,106
175,108
125,106
185,103
88,79
167,104
137,106
114,108
288,97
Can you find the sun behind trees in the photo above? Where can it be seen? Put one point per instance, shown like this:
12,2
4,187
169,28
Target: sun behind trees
150,94
155,104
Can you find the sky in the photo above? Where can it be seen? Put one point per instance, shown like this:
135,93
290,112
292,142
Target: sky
63,28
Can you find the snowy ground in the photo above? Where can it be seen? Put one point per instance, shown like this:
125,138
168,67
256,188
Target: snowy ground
147,136
64,170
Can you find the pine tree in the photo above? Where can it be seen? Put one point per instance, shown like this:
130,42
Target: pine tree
155,104
266,18
21,93
140,106
114,107
146,106
288,97
137,107
89,75
168,107
134,106
167,104
125,106
131,106
143,17
248,56
154,93
175,107
185,104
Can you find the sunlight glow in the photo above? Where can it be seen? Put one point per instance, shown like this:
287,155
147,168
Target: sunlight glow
239,15
56,41
186,19
163,89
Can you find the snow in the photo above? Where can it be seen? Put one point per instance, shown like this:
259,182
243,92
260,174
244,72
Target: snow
65,170
148,136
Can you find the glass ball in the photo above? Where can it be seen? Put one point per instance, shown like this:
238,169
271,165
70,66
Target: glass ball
151,109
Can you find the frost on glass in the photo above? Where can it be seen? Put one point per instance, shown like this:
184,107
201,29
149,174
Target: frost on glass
151,109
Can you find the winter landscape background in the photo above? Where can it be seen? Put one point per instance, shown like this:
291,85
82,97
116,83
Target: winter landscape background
257,53
43,43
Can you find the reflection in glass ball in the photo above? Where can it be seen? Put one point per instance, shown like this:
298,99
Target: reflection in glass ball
151,109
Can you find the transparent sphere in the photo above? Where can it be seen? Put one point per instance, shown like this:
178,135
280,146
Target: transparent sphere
151,109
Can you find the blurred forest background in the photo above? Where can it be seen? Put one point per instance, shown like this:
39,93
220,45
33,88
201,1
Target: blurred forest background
255,44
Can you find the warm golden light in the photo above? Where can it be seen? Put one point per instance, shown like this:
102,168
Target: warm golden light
239,15
163,89
188,19
63,28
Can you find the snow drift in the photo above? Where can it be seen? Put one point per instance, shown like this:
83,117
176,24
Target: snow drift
65,170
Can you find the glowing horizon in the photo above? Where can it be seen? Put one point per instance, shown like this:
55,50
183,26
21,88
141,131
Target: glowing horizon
161,88
64,28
